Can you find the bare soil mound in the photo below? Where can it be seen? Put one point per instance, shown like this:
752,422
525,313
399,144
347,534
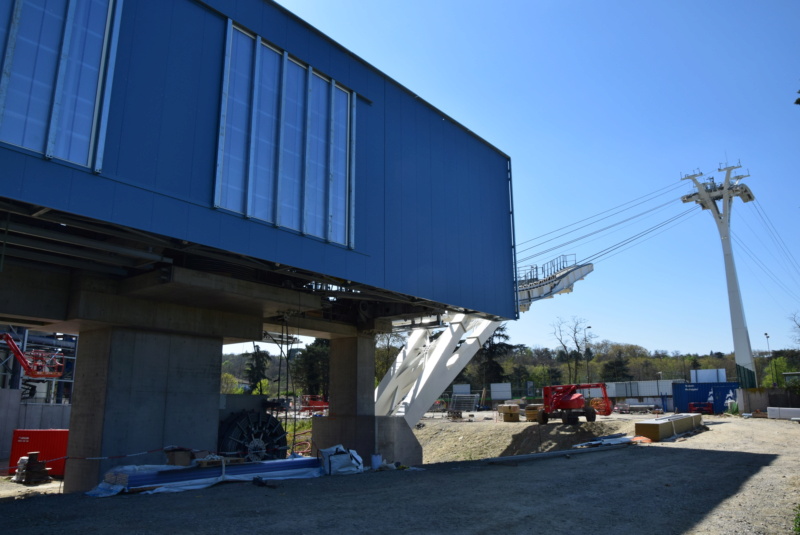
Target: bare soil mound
485,436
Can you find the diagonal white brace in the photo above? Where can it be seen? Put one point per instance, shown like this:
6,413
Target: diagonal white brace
424,368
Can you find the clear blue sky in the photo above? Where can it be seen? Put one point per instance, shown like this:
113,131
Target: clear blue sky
599,103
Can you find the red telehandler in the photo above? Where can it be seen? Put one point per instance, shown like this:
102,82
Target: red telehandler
565,402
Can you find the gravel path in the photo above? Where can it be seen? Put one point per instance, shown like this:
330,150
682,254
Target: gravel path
740,477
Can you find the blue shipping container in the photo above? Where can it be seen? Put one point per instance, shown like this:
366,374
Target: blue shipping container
717,393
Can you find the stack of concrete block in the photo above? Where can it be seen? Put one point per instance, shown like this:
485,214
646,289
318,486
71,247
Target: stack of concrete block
32,471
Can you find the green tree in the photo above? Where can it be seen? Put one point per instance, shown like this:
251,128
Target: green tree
617,369
545,375
310,368
773,373
256,371
228,384
489,369
387,347
519,377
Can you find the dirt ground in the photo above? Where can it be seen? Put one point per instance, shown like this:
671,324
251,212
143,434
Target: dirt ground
742,476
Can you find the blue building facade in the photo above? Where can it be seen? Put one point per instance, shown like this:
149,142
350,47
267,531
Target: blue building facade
237,126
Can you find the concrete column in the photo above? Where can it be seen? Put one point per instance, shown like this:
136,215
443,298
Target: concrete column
138,391
351,417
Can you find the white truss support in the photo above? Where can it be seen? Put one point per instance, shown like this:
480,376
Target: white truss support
445,365
402,374
415,357
424,368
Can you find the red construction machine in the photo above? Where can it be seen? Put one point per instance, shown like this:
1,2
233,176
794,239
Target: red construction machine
313,404
36,363
567,403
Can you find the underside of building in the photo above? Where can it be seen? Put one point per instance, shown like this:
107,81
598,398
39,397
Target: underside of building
177,176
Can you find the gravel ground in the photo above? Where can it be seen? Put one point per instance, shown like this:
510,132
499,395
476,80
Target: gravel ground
740,477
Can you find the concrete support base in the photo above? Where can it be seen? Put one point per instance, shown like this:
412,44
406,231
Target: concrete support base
140,391
351,420
397,442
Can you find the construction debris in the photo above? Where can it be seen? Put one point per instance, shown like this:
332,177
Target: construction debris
32,471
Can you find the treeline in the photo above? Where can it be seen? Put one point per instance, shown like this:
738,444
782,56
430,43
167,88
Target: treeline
577,359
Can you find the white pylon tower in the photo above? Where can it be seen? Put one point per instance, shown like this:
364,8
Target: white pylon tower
707,196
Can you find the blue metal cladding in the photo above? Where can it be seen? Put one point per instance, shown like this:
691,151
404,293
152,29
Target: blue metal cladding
429,204
716,393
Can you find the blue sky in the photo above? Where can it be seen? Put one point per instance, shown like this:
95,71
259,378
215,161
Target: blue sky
599,103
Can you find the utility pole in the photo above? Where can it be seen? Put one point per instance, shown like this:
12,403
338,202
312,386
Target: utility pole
586,353
772,361
707,196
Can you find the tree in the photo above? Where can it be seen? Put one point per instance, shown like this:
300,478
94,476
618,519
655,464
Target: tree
228,384
310,368
256,371
387,347
519,377
795,318
489,369
573,337
543,356
617,369
235,364
773,374
792,357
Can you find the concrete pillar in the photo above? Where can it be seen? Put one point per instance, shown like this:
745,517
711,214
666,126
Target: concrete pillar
351,417
397,442
139,391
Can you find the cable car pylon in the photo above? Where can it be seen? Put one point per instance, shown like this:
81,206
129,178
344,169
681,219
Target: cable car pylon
708,195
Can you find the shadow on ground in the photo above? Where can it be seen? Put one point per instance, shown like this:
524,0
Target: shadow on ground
635,489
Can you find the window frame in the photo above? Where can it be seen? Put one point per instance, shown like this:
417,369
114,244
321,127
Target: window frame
58,91
310,127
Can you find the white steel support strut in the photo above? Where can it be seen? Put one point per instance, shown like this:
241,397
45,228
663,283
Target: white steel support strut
707,195
424,368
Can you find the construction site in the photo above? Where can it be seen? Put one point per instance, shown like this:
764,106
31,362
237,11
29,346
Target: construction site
177,179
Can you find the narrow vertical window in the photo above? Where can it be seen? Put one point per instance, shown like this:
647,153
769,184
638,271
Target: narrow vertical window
237,125
292,157
317,159
339,164
30,73
266,136
81,86
52,76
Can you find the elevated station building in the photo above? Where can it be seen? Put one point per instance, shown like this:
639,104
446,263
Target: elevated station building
179,175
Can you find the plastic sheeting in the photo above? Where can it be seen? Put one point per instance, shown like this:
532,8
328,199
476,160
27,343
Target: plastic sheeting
152,479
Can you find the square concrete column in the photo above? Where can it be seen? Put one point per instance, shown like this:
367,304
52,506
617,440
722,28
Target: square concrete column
138,391
351,417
